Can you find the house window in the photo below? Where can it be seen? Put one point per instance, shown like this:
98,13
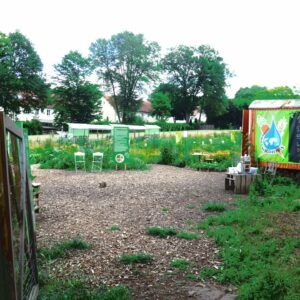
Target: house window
48,112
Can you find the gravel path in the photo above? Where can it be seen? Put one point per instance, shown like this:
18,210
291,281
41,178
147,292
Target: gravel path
76,204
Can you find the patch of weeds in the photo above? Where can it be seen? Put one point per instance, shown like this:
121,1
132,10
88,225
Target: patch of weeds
181,264
214,206
192,276
209,272
61,249
114,228
187,235
79,289
259,242
161,232
295,206
137,258
165,209
190,206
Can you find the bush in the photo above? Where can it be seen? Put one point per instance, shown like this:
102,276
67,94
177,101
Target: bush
34,127
168,152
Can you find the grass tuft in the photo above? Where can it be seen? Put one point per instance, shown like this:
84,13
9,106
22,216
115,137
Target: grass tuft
214,206
181,264
61,249
161,232
187,235
114,228
165,209
138,258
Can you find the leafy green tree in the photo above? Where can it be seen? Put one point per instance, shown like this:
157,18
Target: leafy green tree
126,63
76,99
233,115
22,84
161,105
200,75
176,100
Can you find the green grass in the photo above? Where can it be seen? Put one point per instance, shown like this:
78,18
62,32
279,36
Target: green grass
137,258
214,206
187,235
62,248
161,232
165,209
260,243
181,264
114,228
78,289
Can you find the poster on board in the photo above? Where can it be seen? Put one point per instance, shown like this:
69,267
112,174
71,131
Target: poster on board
120,144
277,136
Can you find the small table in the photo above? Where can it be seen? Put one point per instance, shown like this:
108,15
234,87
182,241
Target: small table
239,183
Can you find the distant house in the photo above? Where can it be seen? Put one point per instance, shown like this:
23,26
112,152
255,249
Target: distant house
45,116
196,117
145,112
109,112
108,109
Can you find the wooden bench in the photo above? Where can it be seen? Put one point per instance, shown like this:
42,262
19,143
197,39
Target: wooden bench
239,183
36,196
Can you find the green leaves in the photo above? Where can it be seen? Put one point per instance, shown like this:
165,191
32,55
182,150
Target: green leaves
22,84
77,100
126,63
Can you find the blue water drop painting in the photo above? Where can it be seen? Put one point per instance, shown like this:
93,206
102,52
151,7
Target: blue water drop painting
272,139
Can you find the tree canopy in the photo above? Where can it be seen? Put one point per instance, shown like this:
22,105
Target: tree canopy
22,84
161,105
200,77
77,100
125,63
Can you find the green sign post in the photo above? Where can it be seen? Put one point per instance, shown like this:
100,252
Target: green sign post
120,144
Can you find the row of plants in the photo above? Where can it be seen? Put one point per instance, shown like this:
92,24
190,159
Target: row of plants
259,242
175,151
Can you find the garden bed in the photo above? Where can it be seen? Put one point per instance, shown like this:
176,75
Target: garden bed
115,220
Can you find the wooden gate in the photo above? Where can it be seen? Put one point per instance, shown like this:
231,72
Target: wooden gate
18,268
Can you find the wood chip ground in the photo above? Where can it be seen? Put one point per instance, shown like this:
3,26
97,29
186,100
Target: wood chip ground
77,204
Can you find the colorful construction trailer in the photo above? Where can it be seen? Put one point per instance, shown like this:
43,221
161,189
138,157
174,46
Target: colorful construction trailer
271,133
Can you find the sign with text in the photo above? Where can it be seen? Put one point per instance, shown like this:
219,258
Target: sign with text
120,144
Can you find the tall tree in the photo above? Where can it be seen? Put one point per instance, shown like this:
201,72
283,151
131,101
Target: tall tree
176,101
200,75
161,105
76,99
22,84
126,63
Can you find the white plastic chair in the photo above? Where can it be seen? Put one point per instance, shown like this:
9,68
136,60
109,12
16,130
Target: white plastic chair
97,161
79,158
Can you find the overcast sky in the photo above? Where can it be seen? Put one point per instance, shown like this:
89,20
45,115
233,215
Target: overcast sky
258,40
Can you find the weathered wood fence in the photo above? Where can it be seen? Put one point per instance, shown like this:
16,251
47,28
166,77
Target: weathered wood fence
18,268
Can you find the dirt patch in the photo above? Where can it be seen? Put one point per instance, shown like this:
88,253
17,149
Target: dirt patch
79,204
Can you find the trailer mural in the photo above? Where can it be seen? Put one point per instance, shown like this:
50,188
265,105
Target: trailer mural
273,129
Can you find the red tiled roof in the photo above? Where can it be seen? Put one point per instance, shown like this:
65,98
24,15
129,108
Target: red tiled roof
146,107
